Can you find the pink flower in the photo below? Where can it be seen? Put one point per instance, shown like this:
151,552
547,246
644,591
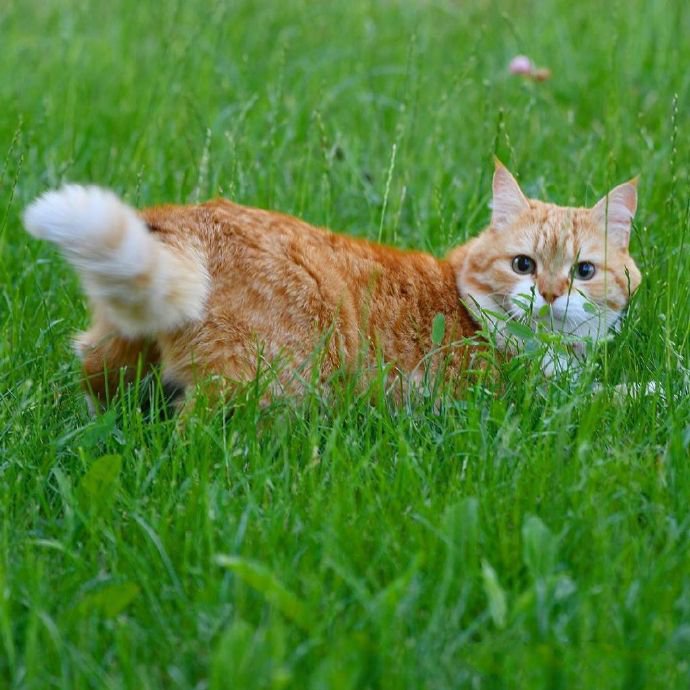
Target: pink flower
521,64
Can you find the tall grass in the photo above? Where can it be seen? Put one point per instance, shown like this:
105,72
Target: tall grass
534,539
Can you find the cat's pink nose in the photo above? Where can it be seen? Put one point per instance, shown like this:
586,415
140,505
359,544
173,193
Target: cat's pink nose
549,297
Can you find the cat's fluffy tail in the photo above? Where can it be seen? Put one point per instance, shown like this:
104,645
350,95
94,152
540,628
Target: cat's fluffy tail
145,285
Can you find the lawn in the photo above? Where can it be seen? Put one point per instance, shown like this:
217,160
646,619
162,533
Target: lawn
532,537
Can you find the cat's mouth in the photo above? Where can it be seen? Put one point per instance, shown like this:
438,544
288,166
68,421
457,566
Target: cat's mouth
563,310
562,318
573,318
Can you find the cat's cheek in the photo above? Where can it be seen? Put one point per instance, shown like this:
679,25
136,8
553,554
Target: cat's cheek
614,319
595,326
482,307
477,302
600,292
524,298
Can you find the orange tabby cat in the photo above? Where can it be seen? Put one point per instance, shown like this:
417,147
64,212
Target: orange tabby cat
216,289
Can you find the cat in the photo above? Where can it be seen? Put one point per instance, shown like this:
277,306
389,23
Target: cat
217,290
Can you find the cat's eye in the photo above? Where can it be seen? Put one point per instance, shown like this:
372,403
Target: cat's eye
585,270
524,265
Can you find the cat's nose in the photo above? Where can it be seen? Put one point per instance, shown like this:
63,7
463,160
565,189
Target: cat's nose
550,288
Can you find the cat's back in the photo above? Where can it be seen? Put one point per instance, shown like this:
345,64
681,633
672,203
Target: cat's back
220,220
268,250
278,277
228,231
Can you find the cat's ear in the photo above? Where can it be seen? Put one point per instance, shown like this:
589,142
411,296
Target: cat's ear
508,201
615,212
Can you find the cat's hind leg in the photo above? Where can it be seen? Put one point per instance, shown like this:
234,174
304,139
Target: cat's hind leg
110,360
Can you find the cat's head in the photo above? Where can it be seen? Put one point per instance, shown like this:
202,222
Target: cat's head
567,269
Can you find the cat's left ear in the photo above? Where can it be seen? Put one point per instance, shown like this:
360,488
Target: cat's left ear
615,211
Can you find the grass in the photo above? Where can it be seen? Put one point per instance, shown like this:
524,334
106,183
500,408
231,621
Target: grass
539,538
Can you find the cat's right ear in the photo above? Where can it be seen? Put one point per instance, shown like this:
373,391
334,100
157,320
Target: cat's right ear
508,201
